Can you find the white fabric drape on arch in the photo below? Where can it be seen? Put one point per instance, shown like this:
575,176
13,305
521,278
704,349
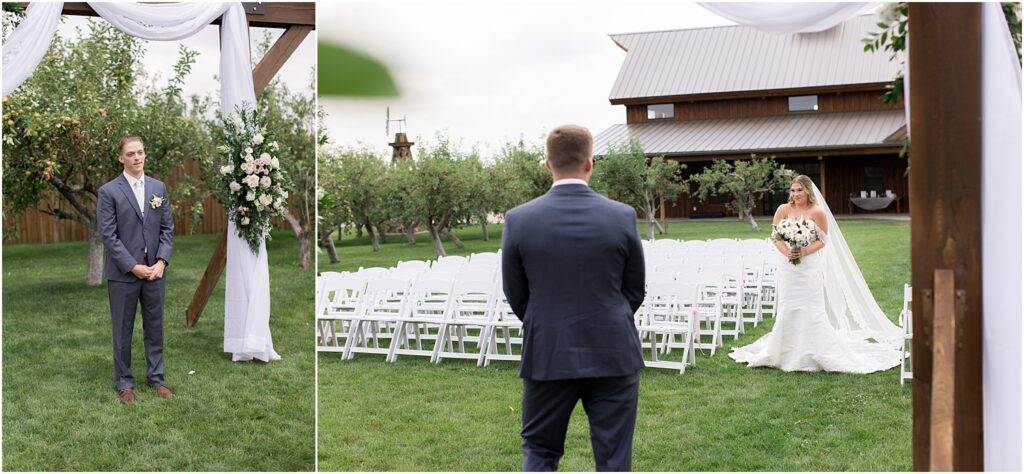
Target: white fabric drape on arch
1001,209
247,292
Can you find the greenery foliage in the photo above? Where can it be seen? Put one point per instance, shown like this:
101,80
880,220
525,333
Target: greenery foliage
626,174
745,181
62,125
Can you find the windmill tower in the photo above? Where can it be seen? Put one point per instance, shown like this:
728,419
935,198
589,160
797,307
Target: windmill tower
401,148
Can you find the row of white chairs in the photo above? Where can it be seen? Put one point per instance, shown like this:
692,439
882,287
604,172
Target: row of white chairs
356,315
721,302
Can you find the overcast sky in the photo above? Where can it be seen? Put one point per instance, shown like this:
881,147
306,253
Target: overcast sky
486,71
161,55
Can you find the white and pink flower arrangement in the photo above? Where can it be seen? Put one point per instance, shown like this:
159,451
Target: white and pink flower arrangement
795,233
256,186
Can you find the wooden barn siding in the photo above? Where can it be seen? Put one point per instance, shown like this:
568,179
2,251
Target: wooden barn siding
843,175
759,107
38,228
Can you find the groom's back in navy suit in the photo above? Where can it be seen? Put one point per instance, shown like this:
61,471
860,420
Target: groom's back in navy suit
573,272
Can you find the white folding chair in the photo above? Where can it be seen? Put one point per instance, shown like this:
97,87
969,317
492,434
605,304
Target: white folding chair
728,281
340,301
671,314
502,319
413,264
471,307
381,308
907,322
429,303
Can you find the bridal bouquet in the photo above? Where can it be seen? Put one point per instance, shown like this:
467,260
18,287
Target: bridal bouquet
254,184
795,233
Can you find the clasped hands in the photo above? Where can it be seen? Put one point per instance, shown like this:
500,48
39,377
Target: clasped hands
150,273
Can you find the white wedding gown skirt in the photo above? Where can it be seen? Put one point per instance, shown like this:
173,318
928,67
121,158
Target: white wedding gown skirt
247,302
803,339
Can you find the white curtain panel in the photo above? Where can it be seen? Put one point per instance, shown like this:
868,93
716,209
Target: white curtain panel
27,44
1001,242
789,17
247,302
247,296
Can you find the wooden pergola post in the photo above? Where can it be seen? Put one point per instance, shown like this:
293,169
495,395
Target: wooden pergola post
945,188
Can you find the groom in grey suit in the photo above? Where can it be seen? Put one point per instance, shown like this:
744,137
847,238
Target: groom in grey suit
137,230
573,270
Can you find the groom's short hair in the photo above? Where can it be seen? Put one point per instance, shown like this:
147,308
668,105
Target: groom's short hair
126,140
569,147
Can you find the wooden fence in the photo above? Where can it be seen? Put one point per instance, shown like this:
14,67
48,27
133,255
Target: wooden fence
36,227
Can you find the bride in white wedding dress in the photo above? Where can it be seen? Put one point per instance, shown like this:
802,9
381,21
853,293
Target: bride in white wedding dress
826,318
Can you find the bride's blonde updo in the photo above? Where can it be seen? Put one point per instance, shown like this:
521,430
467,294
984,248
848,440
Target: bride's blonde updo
808,186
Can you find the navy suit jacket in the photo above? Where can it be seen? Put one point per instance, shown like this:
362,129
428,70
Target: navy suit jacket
129,238
573,271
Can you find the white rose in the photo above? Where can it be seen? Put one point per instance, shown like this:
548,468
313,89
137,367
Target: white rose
277,203
227,169
248,158
248,150
250,196
257,139
235,186
252,181
275,163
245,221
265,156
266,199
260,207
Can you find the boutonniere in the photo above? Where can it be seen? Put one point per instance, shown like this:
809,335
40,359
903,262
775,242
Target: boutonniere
156,202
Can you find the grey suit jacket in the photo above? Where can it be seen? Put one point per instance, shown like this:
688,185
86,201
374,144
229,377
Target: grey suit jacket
573,271
129,238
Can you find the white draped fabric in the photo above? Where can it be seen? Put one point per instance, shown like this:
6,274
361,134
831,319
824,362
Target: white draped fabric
850,306
27,44
789,17
247,294
1001,242
247,297
1001,208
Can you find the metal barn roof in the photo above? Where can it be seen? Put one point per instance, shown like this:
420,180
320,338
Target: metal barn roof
811,131
738,58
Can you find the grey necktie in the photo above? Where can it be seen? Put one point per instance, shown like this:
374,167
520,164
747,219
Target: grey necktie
137,188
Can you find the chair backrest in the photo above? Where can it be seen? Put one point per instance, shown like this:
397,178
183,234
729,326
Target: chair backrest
430,299
340,294
449,261
371,272
484,257
473,299
475,276
413,264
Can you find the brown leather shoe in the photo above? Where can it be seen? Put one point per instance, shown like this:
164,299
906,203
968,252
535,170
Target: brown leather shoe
126,395
163,391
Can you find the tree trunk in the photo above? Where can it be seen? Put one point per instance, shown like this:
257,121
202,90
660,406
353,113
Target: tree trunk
301,237
382,234
410,234
750,219
483,226
436,240
359,231
452,237
305,257
328,243
649,217
373,237
94,274
661,229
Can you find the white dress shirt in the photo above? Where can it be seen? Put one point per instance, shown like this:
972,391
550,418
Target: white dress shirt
139,188
569,181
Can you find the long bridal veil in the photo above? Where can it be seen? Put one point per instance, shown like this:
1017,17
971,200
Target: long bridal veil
849,303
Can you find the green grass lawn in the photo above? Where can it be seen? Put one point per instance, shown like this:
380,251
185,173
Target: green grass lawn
719,416
60,409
